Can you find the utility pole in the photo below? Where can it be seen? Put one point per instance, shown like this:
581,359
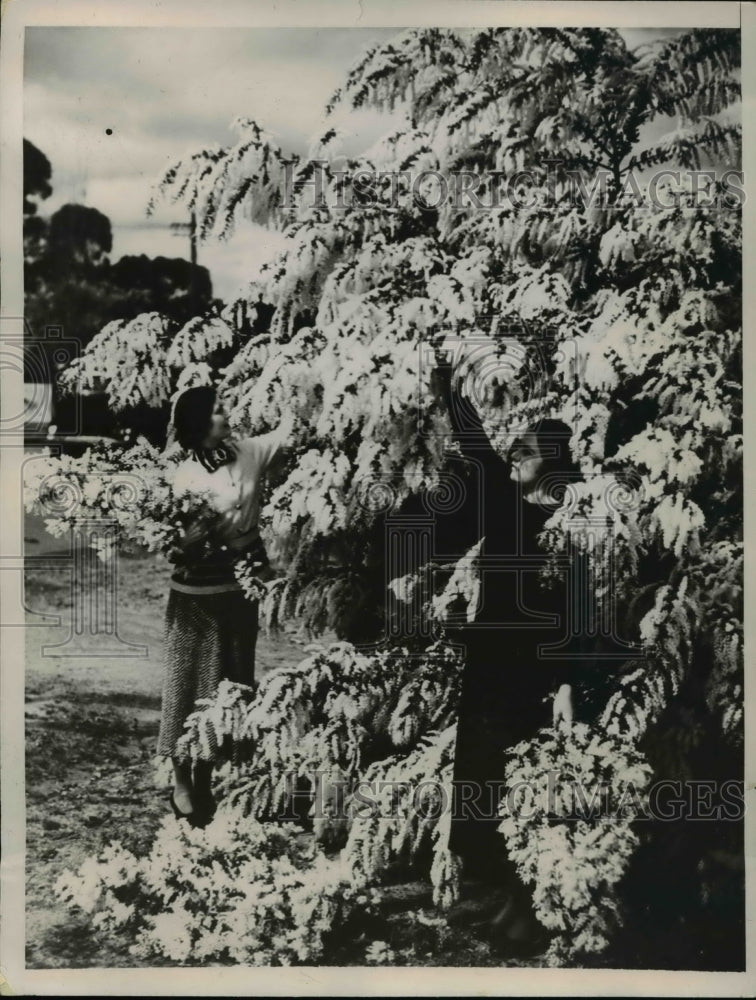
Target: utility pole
190,227
193,237
180,229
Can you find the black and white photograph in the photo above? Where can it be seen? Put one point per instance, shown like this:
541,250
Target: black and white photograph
374,468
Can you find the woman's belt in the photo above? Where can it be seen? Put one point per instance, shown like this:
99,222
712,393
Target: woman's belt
216,570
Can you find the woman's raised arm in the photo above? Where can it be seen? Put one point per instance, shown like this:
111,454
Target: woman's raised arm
467,426
272,447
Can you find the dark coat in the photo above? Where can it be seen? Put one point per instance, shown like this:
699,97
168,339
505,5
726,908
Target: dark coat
509,677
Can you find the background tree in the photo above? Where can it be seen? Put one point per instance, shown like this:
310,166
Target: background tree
69,282
80,238
171,286
37,174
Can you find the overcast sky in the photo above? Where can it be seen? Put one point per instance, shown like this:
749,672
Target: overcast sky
164,92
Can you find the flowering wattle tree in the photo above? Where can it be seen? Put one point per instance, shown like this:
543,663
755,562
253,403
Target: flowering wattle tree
476,233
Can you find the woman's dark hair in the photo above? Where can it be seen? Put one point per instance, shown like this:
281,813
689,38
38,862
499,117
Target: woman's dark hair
192,415
559,469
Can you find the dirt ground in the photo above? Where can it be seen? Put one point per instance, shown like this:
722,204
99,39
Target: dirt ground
92,713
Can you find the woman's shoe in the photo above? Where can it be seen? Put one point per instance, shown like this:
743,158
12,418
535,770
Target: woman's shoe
514,936
189,817
204,810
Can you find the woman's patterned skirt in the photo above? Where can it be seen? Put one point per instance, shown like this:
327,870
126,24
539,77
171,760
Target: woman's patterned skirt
207,638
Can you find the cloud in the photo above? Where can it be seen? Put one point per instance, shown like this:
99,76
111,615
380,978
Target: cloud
165,92
237,261
192,82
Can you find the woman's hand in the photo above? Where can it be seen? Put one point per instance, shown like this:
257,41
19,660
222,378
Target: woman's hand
563,706
286,430
193,533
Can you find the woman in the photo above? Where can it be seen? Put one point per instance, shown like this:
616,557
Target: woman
509,689
210,626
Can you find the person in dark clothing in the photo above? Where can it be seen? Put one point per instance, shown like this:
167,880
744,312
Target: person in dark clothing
511,686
